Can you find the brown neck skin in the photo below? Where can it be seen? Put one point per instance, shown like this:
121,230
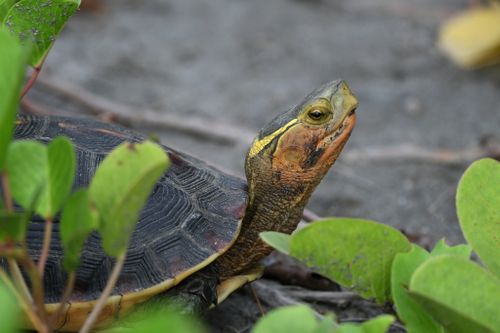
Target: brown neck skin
277,200
271,206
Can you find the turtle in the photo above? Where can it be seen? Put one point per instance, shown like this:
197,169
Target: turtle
197,238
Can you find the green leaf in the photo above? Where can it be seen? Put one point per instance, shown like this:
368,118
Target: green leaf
11,76
12,227
441,247
378,324
5,5
9,309
61,160
355,253
287,319
411,313
327,325
38,23
33,166
78,220
478,208
27,168
120,188
278,240
166,320
460,295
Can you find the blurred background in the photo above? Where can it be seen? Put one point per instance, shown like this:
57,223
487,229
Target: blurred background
205,76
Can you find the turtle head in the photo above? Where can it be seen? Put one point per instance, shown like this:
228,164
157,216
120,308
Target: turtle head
285,163
297,148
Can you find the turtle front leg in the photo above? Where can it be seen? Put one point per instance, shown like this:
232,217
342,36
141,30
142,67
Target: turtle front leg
196,294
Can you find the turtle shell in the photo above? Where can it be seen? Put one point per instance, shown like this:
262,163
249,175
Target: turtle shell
192,216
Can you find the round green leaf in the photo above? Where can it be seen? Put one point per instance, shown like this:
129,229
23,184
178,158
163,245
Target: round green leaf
288,319
326,325
38,23
411,313
11,76
62,164
378,324
355,253
461,250
5,5
459,294
278,240
478,208
33,168
78,220
27,168
166,320
120,188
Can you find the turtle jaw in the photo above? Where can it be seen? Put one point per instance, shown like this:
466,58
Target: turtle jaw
334,142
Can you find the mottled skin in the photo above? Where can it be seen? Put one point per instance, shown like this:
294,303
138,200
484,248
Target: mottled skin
286,162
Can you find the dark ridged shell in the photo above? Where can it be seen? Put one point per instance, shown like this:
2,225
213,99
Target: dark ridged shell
193,213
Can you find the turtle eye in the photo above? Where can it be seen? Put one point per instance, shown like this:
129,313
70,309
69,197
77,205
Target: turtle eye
318,114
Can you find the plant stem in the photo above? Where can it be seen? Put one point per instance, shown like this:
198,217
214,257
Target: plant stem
6,192
18,278
89,323
67,292
32,79
47,235
36,286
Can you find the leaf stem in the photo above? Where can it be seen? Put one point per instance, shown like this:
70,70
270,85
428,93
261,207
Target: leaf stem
6,192
47,236
18,278
70,284
33,77
89,323
36,286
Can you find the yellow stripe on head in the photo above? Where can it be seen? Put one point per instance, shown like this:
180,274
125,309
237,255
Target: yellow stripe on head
258,145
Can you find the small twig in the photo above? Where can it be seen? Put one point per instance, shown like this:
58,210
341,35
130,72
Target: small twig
35,108
197,127
334,297
310,216
89,323
274,297
23,301
33,77
410,152
47,236
70,284
257,300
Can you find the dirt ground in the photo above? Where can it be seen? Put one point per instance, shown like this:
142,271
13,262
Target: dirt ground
240,62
